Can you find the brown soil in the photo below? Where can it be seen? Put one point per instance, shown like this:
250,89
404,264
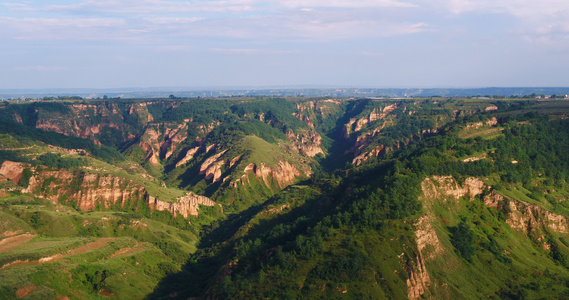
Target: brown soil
3,194
85,248
10,233
486,132
11,242
106,293
128,250
23,292
100,243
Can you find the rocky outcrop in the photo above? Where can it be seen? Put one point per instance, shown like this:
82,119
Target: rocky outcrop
419,280
441,187
88,191
211,162
189,156
308,143
106,190
186,206
428,242
12,170
283,173
89,120
356,125
150,144
160,140
527,218
305,119
173,137
379,150
491,122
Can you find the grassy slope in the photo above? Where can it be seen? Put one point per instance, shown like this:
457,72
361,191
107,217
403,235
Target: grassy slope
131,250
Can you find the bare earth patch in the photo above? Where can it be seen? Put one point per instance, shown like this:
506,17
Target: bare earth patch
128,250
11,242
23,292
100,243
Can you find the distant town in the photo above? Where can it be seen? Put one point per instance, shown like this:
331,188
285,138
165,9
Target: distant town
391,93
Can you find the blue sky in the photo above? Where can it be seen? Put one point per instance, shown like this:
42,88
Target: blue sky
210,43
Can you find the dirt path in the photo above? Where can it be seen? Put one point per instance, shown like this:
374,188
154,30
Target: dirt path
25,291
482,133
82,249
13,241
100,243
128,250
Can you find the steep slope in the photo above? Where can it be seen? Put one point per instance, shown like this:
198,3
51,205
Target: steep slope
479,233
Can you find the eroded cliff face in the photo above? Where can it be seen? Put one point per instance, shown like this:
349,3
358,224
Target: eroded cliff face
283,173
491,122
89,191
308,142
530,220
356,125
186,206
419,281
161,140
89,120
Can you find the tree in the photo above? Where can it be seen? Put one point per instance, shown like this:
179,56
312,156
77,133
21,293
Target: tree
463,240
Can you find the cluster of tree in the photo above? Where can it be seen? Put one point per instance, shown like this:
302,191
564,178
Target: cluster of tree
56,139
57,161
371,199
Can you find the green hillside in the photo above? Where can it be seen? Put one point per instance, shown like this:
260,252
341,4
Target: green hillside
252,198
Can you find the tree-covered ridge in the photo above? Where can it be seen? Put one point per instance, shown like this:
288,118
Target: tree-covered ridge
469,199
330,237
56,139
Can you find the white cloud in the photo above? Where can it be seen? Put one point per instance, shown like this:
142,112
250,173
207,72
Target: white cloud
342,3
137,7
544,20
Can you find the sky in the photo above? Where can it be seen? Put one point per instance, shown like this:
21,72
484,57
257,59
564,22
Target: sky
240,43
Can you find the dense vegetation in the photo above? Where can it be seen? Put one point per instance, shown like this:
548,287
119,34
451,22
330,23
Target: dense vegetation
347,231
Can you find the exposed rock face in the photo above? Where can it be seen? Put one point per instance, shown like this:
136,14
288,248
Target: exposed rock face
526,217
189,156
427,236
449,187
107,190
12,170
379,150
373,116
186,206
214,171
211,162
80,121
284,173
173,137
491,122
308,142
491,107
419,280
304,119
86,190
151,145
90,191
235,161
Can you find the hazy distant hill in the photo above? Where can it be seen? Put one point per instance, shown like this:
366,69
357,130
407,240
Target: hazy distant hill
165,92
